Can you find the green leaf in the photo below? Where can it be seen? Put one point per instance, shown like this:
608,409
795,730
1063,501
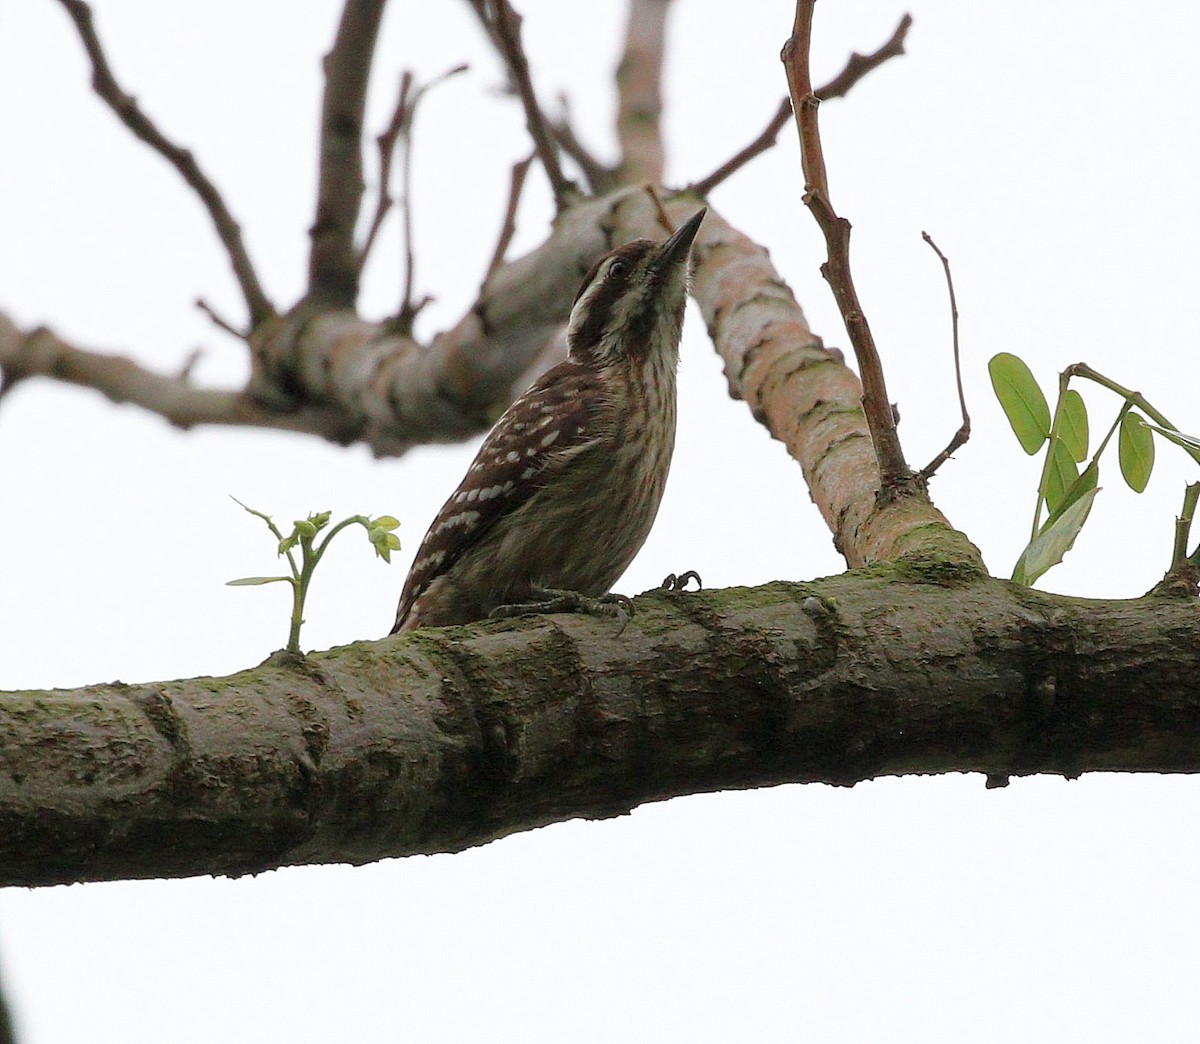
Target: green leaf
257,581
1072,425
1061,475
305,529
1022,400
1135,448
1048,547
1086,481
385,522
288,542
384,542
1177,437
320,520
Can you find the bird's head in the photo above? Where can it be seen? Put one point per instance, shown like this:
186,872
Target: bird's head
630,305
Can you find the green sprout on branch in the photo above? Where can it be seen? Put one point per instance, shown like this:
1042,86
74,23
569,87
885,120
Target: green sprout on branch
1066,491
304,537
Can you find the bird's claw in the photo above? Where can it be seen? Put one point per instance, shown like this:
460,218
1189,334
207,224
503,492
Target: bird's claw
549,600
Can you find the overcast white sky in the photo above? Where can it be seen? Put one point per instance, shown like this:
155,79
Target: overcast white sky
1049,149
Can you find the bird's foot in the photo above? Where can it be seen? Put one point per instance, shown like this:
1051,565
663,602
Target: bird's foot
552,600
677,584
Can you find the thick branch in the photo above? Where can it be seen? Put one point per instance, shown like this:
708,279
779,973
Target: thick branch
639,93
127,110
42,353
894,473
333,267
451,738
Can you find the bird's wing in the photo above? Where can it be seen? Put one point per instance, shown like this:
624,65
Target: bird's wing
536,438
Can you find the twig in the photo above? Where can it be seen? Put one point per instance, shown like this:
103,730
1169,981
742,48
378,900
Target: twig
509,227
759,145
333,267
664,218
220,321
600,178
126,108
639,93
401,116
964,432
399,129
857,66
894,474
504,27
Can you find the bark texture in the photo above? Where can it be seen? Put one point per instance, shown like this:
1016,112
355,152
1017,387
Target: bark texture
450,738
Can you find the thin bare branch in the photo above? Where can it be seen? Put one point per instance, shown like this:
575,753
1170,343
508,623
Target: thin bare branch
503,25
894,473
639,93
964,432
399,131
857,66
333,268
401,116
759,145
509,226
126,108
219,320
600,178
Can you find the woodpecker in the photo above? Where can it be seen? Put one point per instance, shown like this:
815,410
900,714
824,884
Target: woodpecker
564,490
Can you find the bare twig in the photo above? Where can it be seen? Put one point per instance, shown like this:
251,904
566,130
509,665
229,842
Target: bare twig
399,130
219,320
759,145
894,474
509,226
333,268
600,178
504,27
639,93
664,218
964,432
401,117
126,108
857,66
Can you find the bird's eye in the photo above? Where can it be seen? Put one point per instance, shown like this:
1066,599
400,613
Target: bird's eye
617,269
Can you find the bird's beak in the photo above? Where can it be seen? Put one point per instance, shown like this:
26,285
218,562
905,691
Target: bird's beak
675,249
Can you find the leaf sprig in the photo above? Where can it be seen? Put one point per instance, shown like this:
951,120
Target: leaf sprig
1066,492
303,537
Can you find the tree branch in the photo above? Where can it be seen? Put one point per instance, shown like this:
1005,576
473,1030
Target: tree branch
508,226
333,268
857,66
42,353
126,108
450,738
964,431
639,93
503,25
895,476
601,179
